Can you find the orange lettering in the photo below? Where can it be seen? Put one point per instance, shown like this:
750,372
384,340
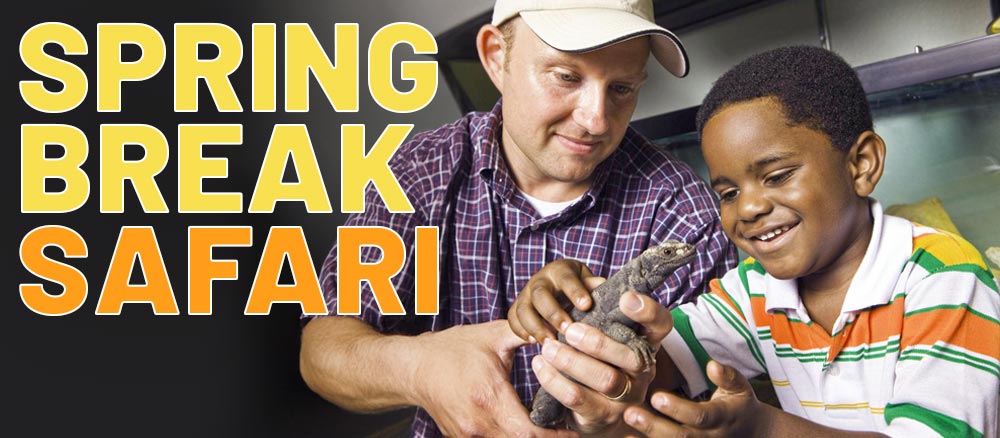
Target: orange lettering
282,242
137,244
72,280
203,269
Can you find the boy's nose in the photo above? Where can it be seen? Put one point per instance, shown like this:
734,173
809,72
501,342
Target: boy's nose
752,204
591,111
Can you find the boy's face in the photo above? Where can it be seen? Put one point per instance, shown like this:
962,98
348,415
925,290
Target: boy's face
787,197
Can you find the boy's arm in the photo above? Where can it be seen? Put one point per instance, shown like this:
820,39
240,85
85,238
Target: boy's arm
732,411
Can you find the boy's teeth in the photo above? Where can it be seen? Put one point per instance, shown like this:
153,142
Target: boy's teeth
770,235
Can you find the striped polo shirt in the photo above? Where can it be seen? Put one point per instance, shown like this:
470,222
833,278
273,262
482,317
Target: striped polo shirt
915,350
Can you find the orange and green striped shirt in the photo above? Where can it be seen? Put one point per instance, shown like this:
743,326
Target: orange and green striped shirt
914,352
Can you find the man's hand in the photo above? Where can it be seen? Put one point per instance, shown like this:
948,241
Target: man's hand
538,310
732,411
602,368
461,379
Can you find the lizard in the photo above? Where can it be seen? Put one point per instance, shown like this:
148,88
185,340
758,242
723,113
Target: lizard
642,274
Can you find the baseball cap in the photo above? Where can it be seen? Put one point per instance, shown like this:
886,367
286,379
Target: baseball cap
578,26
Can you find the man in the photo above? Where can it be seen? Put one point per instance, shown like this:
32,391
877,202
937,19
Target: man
552,172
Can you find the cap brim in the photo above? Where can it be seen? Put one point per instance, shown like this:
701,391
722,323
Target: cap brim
583,30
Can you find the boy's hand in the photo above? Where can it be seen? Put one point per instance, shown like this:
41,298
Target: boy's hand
733,410
538,310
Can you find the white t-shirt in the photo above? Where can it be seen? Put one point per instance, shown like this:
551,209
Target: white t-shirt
546,208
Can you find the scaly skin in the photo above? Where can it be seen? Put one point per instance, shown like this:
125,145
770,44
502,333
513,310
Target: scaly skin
642,274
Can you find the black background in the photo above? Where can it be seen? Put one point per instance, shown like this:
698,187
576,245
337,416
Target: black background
137,374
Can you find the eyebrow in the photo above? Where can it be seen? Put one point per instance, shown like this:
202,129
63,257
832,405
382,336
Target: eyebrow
768,159
566,59
753,167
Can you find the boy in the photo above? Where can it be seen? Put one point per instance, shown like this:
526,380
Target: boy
862,321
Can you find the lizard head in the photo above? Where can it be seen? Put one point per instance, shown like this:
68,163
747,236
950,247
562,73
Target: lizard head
660,261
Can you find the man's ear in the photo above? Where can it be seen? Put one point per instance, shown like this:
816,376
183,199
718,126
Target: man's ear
867,161
492,50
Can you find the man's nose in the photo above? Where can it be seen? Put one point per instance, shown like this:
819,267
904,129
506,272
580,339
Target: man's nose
592,110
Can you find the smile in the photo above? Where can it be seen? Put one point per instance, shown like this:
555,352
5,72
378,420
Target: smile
764,237
576,145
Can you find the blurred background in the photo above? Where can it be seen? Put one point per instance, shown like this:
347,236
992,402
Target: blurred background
929,65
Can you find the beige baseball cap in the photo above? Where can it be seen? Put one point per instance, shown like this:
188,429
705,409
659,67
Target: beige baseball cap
578,26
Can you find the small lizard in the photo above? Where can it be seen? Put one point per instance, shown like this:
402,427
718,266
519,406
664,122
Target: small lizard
642,274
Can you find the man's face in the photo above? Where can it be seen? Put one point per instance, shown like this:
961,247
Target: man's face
787,196
564,113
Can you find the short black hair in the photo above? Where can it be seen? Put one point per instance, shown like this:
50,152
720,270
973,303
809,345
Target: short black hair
816,88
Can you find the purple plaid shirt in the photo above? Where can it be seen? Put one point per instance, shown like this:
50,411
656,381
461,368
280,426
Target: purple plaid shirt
492,240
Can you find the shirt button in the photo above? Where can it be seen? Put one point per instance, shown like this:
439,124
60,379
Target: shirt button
534,227
834,370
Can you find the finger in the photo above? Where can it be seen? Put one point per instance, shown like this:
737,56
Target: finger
600,346
728,380
699,415
530,321
515,323
654,319
592,282
545,304
571,282
584,401
650,424
588,371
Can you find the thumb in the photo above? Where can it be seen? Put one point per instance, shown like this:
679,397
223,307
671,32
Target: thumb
655,319
504,340
728,379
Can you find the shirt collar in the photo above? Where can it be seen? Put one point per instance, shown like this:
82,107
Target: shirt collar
888,250
486,141
887,253
488,159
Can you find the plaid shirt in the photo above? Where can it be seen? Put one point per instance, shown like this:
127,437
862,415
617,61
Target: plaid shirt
492,240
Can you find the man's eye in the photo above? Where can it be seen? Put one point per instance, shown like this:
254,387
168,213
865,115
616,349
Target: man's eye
565,77
621,89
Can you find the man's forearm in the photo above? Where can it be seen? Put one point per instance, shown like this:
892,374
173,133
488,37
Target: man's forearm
348,363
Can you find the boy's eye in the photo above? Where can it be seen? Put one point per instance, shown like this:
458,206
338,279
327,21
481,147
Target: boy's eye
728,195
779,177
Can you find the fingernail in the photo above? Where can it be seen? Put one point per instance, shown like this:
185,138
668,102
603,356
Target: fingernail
632,302
532,340
536,364
659,401
634,418
582,302
574,334
549,349
562,327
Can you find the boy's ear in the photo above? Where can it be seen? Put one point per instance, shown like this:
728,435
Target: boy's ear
492,50
867,161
